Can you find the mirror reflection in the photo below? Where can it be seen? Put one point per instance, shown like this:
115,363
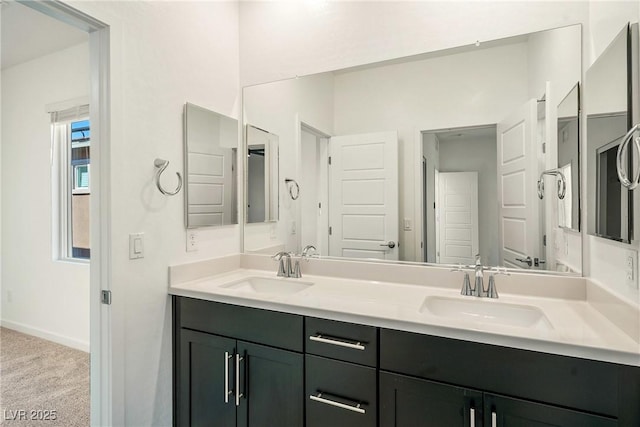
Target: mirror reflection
607,107
432,158
568,208
211,145
261,175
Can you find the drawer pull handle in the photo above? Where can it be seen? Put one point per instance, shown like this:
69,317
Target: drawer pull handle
472,417
494,419
354,408
320,338
227,392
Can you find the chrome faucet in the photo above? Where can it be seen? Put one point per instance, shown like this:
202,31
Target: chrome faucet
307,249
285,266
478,289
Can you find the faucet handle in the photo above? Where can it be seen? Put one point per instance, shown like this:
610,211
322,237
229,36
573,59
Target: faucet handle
466,286
492,292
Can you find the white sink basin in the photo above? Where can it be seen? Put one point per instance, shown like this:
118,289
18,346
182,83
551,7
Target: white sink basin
486,311
267,285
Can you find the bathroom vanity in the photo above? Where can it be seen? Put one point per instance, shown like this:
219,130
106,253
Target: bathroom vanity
254,349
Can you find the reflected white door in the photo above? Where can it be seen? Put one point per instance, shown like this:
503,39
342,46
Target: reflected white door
517,191
457,207
363,196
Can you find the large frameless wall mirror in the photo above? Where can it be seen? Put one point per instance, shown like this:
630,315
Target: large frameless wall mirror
608,105
430,158
211,145
568,152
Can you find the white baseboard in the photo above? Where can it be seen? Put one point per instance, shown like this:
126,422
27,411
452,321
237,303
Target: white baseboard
49,336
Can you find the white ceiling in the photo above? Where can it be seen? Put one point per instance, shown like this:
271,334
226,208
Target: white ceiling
28,34
480,132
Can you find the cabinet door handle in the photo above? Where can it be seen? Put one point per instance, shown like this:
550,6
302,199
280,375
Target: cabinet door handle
319,338
227,392
494,419
354,408
238,394
472,417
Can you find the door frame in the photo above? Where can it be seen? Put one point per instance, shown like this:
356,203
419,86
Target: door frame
323,189
419,189
102,335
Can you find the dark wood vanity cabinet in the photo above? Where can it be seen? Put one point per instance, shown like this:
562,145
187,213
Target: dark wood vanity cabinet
444,381
292,371
228,379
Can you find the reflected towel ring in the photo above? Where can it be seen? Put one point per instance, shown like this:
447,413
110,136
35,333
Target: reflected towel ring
291,184
162,165
622,175
562,183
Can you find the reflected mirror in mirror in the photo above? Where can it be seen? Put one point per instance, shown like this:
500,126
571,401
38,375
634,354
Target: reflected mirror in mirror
568,207
211,145
261,176
608,112
431,158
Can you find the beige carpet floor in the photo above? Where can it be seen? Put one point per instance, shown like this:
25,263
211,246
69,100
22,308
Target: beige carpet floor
42,383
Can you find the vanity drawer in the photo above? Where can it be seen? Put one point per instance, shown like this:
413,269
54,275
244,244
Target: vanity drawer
343,341
272,328
582,384
340,394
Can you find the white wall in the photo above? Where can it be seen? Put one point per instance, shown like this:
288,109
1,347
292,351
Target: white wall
431,151
40,295
162,55
311,37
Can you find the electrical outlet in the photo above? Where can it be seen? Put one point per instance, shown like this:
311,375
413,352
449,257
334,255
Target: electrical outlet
407,224
293,227
192,241
631,271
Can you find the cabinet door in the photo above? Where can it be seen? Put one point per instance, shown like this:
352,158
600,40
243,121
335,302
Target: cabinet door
271,386
202,380
410,402
502,411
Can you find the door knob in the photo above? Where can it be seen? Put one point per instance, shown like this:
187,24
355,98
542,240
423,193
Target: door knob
390,244
526,260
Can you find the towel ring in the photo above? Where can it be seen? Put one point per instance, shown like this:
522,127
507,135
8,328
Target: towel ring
622,176
562,183
162,165
291,184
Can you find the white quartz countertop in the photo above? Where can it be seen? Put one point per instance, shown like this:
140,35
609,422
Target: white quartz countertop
570,327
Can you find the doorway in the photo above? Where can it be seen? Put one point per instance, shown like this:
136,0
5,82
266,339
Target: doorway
96,316
449,153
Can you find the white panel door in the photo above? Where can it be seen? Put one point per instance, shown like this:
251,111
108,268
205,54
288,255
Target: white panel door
210,181
363,196
457,207
517,192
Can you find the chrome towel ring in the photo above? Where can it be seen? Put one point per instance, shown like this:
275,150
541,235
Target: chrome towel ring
161,165
562,184
294,188
622,175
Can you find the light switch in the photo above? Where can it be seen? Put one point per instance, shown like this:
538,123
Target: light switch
136,245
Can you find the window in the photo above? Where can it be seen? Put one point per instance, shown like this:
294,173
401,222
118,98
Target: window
71,173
